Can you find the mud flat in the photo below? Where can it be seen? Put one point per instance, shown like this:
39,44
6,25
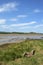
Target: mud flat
11,38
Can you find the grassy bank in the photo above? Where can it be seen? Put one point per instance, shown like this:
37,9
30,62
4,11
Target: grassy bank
12,54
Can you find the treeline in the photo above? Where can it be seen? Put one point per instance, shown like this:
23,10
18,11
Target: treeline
12,33
4,32
19,33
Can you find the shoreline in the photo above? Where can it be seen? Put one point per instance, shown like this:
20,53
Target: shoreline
16,38
16,42
21,34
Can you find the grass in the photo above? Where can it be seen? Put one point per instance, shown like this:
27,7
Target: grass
12,54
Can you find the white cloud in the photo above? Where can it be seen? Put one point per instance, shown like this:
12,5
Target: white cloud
4,26
8,6
13,19
38,26
36,11
32,27
22,16
19,26
19,16
25,27
23,24
2,21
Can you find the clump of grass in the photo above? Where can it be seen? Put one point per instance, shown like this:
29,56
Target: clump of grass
12,53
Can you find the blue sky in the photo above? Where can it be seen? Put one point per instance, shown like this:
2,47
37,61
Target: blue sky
21,15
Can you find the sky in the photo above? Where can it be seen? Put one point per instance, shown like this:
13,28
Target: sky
21,16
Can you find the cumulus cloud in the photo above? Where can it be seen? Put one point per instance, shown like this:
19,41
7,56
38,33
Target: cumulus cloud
8,6
2,21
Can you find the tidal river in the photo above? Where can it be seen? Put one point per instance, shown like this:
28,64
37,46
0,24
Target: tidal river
11,38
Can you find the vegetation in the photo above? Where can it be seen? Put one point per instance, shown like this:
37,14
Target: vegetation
12,54
19,33
12,33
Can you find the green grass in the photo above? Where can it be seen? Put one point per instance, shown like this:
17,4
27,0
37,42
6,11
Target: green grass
12,54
